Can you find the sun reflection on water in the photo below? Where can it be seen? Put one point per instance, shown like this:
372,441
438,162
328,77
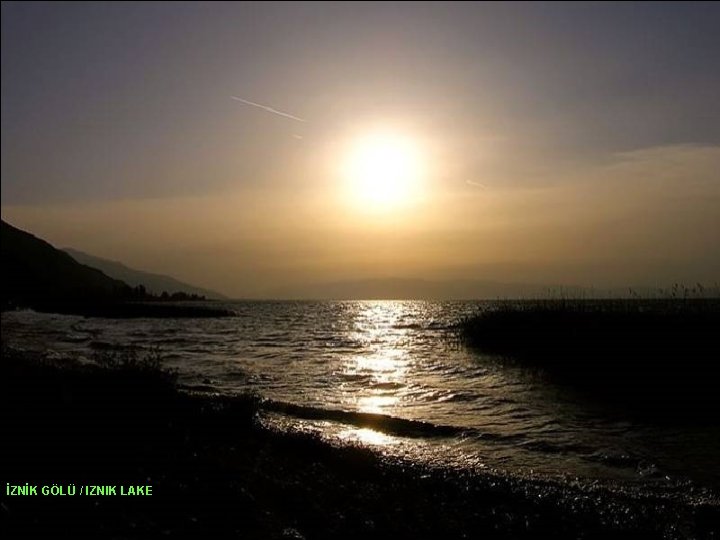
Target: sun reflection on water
377,404
367,436
384,365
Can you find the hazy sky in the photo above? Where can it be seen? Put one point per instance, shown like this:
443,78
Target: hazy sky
562,143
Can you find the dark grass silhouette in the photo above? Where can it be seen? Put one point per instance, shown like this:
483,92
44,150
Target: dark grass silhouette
660,353
216,473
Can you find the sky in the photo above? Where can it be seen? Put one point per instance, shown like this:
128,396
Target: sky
226,144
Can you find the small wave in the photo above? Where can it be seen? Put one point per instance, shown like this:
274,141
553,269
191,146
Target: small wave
355,377
74,338
389,385
410,326
235,375
390,425
615,459
173,341
270,343
379,422
459,397
106,346
548,447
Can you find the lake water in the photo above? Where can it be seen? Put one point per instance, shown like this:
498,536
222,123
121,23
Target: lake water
438,401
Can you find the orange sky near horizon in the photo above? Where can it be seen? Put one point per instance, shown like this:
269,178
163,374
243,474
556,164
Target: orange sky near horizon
249,147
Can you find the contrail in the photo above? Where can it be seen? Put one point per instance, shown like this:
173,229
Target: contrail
268,109
476,184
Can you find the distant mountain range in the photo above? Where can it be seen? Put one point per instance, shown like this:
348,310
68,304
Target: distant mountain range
153,283
473,289
36,274
408,289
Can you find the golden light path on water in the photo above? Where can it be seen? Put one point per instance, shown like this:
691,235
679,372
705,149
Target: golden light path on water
367,436
386,362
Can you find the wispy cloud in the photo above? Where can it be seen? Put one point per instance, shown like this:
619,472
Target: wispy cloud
476,184
268,109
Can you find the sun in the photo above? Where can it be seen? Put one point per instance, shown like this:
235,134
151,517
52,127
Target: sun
383,170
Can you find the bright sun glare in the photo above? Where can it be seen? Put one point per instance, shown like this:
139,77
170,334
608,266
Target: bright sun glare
383,170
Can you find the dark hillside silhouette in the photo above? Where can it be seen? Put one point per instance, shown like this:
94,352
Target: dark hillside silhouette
35,274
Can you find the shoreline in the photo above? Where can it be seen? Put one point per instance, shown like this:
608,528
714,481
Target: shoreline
158,309
215,471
